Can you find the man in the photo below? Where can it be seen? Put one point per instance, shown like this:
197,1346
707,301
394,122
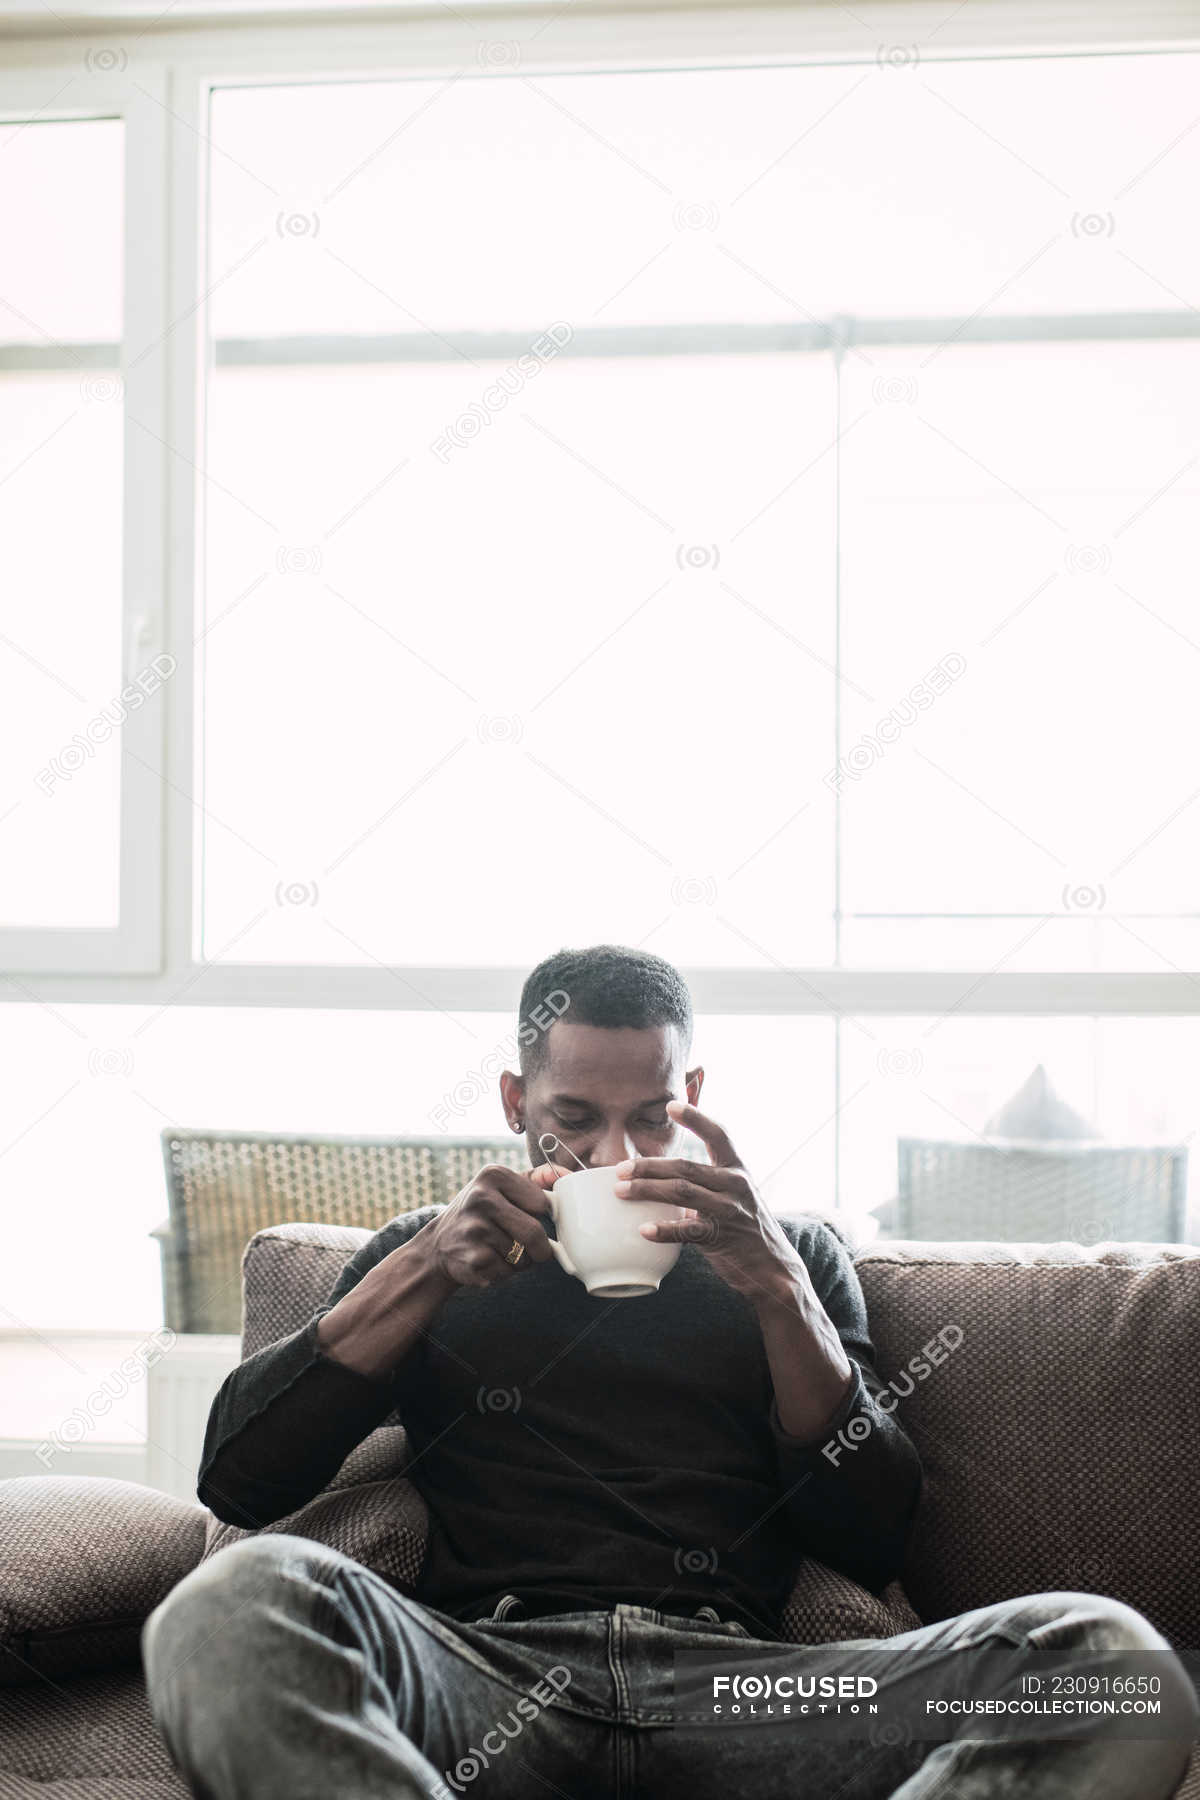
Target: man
609,1482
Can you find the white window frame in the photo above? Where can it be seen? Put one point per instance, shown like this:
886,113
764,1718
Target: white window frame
173,61
134,944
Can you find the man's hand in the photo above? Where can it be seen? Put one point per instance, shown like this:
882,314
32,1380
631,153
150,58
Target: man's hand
469,1243
728,1221
729,1224
377,1323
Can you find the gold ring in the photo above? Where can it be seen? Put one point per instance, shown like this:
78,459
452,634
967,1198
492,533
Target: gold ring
516,1253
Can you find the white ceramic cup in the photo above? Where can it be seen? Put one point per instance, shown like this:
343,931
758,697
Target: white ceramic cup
598,1237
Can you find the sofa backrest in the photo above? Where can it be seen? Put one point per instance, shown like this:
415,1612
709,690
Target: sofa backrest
1057,1416
1053,1392
288,1271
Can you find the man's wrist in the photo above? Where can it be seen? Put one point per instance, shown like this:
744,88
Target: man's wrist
430,1279
783,1288
373,1327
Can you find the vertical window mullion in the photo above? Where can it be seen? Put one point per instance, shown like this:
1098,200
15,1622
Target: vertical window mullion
145,658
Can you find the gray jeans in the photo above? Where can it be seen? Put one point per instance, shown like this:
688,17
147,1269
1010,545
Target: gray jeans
280,1670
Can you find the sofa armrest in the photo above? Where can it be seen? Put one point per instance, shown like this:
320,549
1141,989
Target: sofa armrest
83,1561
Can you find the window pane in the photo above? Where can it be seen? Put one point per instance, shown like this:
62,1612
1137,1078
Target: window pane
570,681
1019,626
1011,185
60,530
1010,525
61,286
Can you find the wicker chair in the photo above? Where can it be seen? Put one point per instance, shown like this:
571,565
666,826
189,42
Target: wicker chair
1046,1192
223,1187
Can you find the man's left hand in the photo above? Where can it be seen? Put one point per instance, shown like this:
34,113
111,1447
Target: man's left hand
727,1220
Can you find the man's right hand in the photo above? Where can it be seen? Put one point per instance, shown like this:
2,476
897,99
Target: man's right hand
469,1243
372,1328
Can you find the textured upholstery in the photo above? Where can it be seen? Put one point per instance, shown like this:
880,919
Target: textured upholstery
379,1523
91,1738
287,1273
85,1560
1060,1440
827,1608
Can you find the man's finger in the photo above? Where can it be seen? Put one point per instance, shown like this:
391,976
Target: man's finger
675,1193
509,1222
524,1187
707,1130
675,1168
681,1231
544,1175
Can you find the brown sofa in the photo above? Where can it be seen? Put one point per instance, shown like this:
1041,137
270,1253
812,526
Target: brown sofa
1058,1417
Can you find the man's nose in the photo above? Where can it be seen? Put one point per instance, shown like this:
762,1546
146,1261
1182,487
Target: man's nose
614,1146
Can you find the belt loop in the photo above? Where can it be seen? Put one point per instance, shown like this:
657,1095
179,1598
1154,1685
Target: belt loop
506,1605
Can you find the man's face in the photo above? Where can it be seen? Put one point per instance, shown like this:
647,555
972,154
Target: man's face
603,1093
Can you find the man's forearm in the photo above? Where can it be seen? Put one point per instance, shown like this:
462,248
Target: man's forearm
810,1370
372,1328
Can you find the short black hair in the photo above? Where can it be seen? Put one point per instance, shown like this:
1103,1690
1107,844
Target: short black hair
606,985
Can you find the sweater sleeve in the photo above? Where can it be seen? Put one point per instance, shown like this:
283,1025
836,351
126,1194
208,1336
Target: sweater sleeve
285,1420
851,1497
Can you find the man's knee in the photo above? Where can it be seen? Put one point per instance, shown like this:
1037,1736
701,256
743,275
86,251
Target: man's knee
1077,1627
1095,1622
189,1631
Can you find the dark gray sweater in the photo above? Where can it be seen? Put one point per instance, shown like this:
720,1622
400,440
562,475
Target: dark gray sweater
580,1452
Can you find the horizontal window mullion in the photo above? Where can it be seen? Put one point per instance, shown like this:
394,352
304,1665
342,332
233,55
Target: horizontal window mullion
820,992
719,339
723,338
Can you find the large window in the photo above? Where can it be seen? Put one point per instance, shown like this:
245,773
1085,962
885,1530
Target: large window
462,494
639,507
81,651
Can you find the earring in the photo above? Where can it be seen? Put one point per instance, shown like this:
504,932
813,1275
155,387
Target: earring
518,1124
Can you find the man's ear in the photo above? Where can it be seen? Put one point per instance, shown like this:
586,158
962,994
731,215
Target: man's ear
694,1081
512,1097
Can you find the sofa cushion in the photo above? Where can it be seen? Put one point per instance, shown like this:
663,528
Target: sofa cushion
88,1738
85,1560
1061,1436
288,1271
381,1524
